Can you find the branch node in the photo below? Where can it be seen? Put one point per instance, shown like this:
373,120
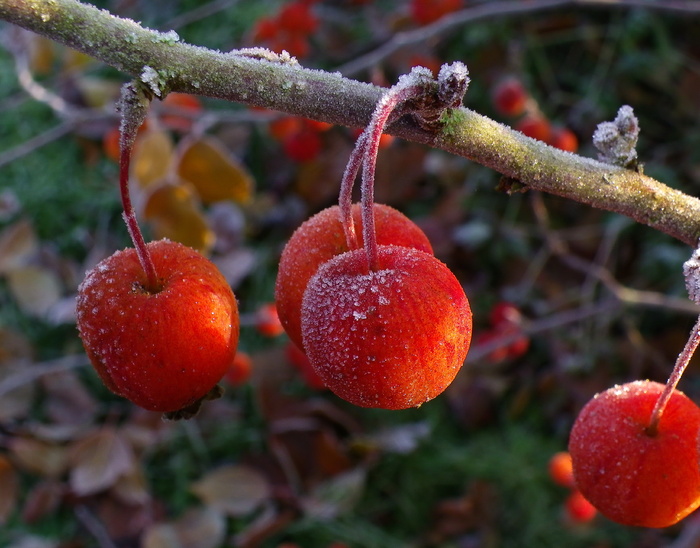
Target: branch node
691,272
616,141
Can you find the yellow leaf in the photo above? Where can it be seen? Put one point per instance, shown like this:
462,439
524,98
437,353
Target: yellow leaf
234,490
175,213
18,243
39,457
214,172
35,289
151,157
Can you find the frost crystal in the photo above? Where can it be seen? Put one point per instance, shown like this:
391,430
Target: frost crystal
616,140
691,272
152,79
453,80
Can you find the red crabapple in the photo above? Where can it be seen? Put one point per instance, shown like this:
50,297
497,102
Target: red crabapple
509,97
163,348
535,126
630,473
321,238
391,337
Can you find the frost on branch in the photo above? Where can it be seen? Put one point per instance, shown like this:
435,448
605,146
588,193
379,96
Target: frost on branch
691,272
616,140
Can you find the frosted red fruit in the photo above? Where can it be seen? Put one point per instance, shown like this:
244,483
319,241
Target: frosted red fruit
321,238
633,476
394,337
163,349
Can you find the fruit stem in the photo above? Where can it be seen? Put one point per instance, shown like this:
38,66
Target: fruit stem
345,198
681,363
373,133
133,107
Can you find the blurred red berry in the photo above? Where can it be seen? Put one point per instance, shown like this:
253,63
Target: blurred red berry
267,321
509,97
302,146
564,138
239,371
110,143
187,105
535,126
297,18
265,29
294,44
430,62
300,361
283,127
317,125
578,509
505,313
561,470
425,12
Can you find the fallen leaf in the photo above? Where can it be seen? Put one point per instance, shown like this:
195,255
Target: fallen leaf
16,394
337,495
197,528
151,157
124,523
42,500
18,243
132,487
10,489
66,400
45,459
214,172
98,461
234,490
174,212
36,289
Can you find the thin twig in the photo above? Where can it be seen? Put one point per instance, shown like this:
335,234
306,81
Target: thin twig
487,10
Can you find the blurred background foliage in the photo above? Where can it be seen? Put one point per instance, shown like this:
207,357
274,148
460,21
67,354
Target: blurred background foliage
594,298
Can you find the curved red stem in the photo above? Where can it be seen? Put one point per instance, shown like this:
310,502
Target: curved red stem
681,363
129,215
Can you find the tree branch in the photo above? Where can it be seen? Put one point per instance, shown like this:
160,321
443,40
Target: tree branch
169,65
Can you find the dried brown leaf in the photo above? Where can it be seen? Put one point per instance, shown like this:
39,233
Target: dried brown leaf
45,459
99,460
9,480
234,490
214,172
151,157
18,243
42,500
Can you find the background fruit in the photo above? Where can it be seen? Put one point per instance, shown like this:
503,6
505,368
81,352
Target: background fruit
166,349
394,337
630,476
321,238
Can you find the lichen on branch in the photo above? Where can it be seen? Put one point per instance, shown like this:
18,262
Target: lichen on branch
330,97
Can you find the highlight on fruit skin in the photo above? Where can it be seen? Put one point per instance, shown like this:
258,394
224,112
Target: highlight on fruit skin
319,239
391,338
165,349
630,475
